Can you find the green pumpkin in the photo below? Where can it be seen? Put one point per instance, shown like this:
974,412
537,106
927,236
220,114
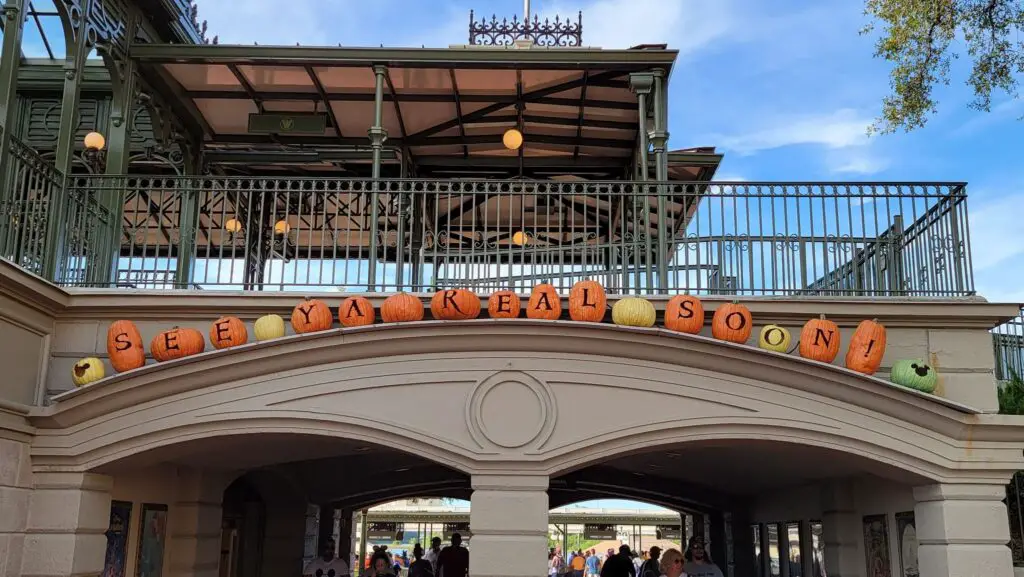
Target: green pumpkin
914,374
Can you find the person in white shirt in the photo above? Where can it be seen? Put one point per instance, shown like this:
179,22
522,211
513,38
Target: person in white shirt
327,565
432,553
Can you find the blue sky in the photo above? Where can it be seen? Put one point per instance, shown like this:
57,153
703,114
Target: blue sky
786,89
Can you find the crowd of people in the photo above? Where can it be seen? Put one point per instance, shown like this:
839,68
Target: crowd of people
453,561
695,562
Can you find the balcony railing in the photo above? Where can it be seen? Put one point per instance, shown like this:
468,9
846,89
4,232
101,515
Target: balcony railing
864,239
1008,341
28,186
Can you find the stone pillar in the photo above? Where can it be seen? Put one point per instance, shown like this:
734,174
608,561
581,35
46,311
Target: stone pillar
509,520
194,524
962,531
15,498
69,514
966,367
842,531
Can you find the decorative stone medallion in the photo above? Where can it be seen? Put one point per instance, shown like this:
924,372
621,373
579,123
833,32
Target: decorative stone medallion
511,410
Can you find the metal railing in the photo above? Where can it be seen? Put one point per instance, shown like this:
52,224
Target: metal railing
29,184
1008,344
864,239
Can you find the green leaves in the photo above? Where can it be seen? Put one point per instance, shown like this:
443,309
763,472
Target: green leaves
916,38
1011,396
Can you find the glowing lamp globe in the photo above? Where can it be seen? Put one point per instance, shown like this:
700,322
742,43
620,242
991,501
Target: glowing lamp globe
95,141
512,139
282,227
520,238
233,225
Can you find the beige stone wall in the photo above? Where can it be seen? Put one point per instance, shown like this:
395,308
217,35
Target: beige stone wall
155,485
26,326
15,487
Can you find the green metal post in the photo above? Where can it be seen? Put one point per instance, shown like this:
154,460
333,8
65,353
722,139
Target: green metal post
188,220
377,136
641,84
10,58
74,65
659,138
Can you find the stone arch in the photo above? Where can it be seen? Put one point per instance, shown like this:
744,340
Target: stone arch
476,381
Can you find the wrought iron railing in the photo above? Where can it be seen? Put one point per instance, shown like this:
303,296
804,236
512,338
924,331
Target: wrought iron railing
29,185
712,238
1008,342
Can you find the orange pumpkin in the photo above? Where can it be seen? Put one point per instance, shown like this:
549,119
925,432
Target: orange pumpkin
867,347
684,313
310,316
587,302
356,312
124,345
401,308
544,303
732,322
177,343
455,305
228,332
504,305
819,340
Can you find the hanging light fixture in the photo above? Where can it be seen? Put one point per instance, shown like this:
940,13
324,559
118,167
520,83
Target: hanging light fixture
233,225
512,139
282,227
94,141
520,238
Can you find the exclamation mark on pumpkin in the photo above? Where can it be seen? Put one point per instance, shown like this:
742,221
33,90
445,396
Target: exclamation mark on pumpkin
868,350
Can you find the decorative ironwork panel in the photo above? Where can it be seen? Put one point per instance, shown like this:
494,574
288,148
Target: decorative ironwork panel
25,208
505,32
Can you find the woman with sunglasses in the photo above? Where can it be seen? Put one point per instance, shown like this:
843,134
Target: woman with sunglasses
672,563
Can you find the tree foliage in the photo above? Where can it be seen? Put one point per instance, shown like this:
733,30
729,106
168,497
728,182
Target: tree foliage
920,38
1011,396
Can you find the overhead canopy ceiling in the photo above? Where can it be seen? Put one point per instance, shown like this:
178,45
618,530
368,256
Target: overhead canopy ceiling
448,109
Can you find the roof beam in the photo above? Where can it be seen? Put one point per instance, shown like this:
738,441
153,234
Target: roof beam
368,97
458,111
394,99
583,107
534,138
249,90
323,98
557,121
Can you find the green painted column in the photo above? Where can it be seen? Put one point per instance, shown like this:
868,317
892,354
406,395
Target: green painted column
74,65
377,135
188,216
642,85
10,58
659,140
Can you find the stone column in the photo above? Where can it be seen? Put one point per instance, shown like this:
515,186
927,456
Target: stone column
962,531
69,514
15,495
841,531
194,524
509,520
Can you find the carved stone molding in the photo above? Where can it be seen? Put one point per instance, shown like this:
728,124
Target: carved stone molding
511,410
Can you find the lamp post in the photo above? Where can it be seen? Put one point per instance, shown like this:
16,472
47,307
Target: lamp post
94,154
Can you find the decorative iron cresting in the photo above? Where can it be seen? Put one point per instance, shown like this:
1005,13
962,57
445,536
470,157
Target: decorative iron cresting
200,27
505,32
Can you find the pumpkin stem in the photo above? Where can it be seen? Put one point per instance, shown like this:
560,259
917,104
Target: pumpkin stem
874,320
821,316
735,302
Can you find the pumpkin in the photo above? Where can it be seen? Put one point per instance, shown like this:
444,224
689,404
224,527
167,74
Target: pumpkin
268,327
819,340
400,308
228,332
867,347
356,312
455,305
685,314
544,303
774,338
504,305
124,346
587,302
732,322
310,316
85,371
914,374
177,343
634,312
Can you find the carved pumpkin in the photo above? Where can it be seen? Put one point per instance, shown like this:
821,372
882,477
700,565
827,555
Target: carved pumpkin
732,322
356,312
684,313
867,347
455,305
819,340
544,303
587,302
268,327
914,374
228,332
504,305
774,338
177,343
401,308
310,316
85,371
634,312
124,345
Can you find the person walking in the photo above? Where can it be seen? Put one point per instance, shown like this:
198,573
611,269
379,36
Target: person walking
593,564
697,562
619,564
672,564
453,561
652,566
420,567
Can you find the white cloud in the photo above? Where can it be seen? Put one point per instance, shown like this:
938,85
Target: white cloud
996,234
840,129
858,160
